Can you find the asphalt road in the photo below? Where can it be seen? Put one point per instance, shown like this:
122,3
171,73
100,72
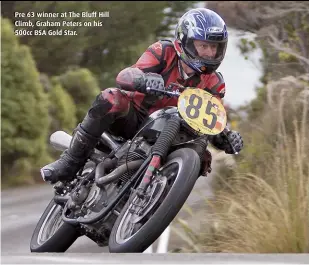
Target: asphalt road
21,209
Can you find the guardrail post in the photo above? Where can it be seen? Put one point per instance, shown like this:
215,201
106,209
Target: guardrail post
162,243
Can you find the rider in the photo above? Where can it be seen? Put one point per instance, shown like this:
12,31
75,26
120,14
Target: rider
191,59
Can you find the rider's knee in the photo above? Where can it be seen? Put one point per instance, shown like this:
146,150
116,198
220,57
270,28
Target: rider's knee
111,100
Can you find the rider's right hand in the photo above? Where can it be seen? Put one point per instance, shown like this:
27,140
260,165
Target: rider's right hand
134,79
155,81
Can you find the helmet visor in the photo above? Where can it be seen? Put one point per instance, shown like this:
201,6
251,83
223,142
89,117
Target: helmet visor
206,52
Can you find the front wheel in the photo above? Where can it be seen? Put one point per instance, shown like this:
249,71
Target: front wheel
142,221
51,234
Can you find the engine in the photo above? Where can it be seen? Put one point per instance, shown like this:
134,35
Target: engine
88,199
131,151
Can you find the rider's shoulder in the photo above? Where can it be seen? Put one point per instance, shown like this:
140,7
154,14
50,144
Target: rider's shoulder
161,46
214,75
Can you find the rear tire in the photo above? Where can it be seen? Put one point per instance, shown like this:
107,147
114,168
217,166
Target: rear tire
60,240
188,172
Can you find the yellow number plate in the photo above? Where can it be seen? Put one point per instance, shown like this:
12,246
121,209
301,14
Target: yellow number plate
202,111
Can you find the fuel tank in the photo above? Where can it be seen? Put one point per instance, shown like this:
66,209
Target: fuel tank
155,123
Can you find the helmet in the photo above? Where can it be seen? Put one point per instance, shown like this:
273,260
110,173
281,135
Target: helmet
205,25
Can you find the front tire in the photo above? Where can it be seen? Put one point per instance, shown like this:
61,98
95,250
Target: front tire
188,172
51,234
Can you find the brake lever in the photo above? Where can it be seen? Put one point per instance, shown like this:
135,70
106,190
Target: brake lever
181,88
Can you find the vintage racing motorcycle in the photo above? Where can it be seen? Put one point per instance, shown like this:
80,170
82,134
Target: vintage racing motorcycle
123,198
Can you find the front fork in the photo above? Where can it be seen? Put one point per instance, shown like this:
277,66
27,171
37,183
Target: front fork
154,165
160,151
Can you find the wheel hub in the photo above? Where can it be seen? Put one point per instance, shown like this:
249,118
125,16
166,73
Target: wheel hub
141,207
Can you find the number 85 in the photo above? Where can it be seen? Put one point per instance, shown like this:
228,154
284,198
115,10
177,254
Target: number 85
196,111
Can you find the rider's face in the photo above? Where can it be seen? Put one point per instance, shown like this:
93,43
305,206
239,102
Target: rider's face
206,50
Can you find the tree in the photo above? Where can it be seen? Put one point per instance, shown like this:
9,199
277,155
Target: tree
281,26
82,86
62,109
103,49
24,108
49,50
289,31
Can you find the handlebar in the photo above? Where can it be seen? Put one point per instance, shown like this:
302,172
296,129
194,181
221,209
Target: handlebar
164,92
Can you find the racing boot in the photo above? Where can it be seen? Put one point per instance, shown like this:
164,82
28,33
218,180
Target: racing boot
98,119
72,159
85,138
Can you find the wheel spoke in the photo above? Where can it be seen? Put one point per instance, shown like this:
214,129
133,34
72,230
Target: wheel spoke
51,224
131,219
129,229
171,187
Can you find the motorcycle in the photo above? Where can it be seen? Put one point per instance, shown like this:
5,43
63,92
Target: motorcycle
121,198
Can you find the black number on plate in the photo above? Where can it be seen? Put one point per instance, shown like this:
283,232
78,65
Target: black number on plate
214,117
193,111
195,107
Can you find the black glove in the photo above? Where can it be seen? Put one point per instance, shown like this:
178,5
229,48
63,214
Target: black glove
224,142
155,81
235,140
134,79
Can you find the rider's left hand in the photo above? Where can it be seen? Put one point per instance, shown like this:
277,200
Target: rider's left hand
235,140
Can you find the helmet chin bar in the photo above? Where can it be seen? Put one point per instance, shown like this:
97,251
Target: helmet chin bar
196,71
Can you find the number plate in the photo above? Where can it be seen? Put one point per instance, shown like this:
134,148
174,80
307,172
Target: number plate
202,111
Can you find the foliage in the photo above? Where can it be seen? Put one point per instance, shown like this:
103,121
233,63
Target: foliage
257,105
82,86
97,48
49,51
62,109
23,110
246,46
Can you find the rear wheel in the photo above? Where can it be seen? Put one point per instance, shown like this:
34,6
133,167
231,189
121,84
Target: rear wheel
142,221
51,234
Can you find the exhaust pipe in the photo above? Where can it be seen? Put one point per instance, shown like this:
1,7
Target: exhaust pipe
60,140
102,179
